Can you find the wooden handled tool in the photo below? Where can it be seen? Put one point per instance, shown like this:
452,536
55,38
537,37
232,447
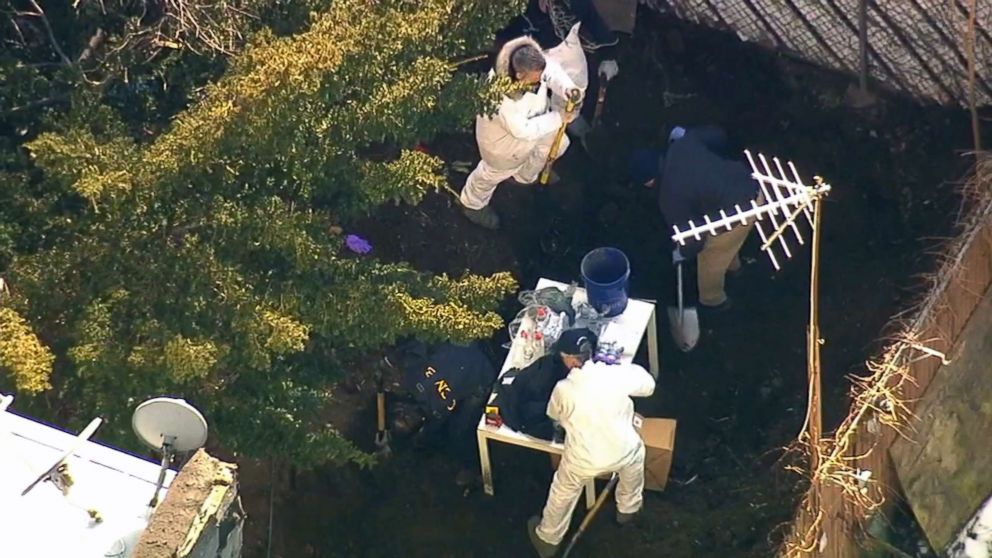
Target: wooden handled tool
591,514
574,97
600,100
382,434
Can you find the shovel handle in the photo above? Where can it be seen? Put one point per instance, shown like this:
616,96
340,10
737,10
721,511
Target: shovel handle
600,100
574,97
591,514
380,404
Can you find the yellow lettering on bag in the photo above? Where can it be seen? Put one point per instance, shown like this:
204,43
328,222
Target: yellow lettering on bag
442,388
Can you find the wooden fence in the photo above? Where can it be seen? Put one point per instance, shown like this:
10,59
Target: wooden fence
956,291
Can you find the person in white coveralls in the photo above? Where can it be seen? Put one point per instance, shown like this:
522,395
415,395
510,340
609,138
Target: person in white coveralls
593,405
515,142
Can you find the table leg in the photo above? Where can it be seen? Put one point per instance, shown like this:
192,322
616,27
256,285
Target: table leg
653,345
590,494
487,471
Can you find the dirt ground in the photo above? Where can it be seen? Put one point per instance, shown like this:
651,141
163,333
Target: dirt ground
740,396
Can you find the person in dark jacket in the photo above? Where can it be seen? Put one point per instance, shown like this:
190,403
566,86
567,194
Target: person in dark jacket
523,403
694,179
450,386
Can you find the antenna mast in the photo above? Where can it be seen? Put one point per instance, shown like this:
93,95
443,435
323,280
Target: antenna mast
786,197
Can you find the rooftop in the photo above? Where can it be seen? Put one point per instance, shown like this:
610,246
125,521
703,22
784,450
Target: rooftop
44,523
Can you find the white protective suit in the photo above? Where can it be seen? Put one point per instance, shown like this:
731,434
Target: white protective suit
516,141
570,56
593,404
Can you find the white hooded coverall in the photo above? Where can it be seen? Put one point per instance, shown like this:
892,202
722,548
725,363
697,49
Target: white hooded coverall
515,142
593,404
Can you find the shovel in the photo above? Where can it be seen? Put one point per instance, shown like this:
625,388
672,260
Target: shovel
684,322
591,514
597,115
596,140
382,448
574,96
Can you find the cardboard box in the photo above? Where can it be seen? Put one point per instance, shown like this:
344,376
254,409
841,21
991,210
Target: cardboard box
658,435
659,442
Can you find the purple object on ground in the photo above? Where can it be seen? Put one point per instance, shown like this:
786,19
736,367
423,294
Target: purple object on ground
357,244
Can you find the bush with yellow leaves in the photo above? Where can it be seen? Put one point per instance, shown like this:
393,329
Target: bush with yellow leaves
205,262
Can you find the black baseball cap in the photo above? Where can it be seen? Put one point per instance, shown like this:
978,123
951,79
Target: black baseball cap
574,341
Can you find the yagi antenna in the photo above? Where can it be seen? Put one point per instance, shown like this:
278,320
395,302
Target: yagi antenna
170,426
786,197
5,401
58,472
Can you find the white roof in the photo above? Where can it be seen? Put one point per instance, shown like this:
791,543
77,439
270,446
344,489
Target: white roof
44,523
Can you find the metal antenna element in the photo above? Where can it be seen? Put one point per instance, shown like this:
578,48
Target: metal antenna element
5,401
58,468
785,197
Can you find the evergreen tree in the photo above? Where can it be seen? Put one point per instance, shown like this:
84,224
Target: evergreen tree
207,264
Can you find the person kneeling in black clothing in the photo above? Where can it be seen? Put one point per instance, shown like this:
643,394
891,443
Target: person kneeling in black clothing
450,386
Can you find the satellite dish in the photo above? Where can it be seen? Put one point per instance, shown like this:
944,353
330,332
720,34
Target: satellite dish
164,420
168,425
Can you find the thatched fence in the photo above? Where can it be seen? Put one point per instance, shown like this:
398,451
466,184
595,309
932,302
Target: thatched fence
918,47
832,519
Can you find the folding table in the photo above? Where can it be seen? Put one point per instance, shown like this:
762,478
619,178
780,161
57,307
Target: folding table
637,319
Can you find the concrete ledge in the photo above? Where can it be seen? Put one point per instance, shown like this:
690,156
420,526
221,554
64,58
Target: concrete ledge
199,498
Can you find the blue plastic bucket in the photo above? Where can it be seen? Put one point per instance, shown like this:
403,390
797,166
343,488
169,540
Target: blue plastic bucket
605,272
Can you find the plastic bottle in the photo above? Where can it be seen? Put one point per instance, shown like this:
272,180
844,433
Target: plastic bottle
537,342
526,346
540,315
553,328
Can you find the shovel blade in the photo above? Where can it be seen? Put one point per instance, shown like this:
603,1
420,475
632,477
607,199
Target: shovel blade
382,443
685,328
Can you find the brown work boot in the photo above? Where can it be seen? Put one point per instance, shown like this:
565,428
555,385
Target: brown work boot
485,217
544,549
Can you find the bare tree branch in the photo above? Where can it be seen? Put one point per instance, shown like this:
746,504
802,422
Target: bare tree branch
40,13
94,43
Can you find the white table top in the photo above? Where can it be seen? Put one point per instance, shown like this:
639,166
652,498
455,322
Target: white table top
630,327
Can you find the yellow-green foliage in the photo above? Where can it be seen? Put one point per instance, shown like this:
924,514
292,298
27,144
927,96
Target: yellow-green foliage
187,359
451,320
209,267
476,290
22,355
285,335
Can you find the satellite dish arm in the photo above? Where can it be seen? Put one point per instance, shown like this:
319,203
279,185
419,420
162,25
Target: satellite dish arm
167,455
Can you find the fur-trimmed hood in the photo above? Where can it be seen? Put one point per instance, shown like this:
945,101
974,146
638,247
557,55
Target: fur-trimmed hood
502,65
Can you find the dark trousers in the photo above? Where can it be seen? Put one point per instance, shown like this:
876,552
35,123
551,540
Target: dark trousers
456,432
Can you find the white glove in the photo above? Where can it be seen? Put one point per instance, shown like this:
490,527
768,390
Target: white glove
609,69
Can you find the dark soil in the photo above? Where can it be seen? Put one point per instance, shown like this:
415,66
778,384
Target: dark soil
740,396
